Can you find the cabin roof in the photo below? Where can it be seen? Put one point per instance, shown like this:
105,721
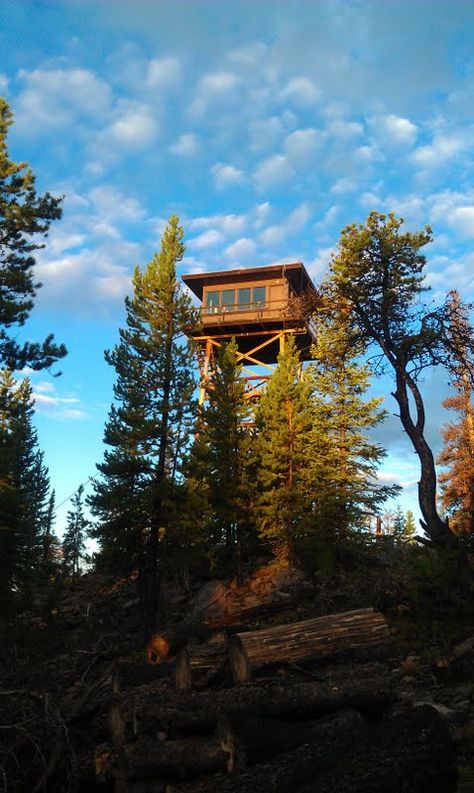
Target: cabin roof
295,272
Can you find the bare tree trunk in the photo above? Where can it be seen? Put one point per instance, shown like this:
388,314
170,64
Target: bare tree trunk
436,528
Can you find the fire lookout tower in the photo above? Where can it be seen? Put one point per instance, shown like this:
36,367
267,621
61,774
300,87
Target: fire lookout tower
259,307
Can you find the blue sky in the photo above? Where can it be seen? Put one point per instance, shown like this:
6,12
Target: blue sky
266,126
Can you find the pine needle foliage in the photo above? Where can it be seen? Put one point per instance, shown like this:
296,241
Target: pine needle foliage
345,459
284,419
225,447
24,496
150,423
25,218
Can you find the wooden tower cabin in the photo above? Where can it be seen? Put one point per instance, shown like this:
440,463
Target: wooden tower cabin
259,307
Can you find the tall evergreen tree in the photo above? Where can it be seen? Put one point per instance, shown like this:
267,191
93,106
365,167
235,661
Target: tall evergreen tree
225,444
73,543
457,457
149,427
398,526
24,493
345,460
284,420
457,480
378,274
409,527
25,216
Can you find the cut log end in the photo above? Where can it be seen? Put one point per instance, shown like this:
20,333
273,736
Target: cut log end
239,661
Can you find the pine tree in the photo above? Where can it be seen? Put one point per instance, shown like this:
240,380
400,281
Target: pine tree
409,529
398,527
284,419
457,480
149,427
24,493
24,216
378,274
73,543
345,461
225,443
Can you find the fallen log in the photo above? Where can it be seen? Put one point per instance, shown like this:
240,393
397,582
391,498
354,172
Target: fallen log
412,752
148,759
277,775
321,637
200,711
229,750
254,739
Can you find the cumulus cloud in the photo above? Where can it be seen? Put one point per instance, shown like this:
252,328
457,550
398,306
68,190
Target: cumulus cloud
395,129
250,55
110,204
340,129
317,266
293,223
441,150
302,91
57,97
272,172
208,239
344,185
163,73
242,251
134,128
302,146
265,133
226,176
187,145
214,88
228,224
453,209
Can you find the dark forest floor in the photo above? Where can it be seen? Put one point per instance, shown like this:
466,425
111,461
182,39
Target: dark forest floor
58,677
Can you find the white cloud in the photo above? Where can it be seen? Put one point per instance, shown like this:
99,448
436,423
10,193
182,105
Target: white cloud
344,185
226,176
208,239
214,88
227,224
56,406
241,251
395,129
302,145
318,266
441,150
462,220
163,73
110,203
291,225
302,91
134,128
187,145
218,82
272,172
264,133
56,97
3,83
261,214
330,216
250,55
345,130
456,210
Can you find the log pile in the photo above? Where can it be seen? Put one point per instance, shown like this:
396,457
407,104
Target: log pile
332,732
